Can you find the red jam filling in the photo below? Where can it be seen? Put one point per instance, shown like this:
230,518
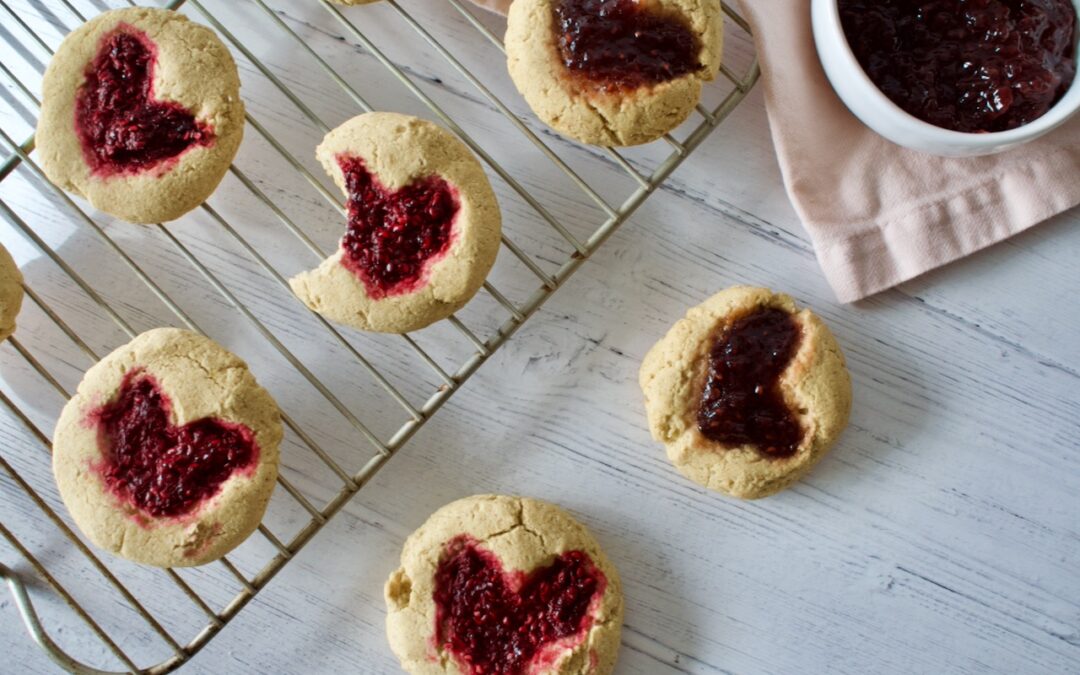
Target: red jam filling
741,403
165,470
122,127
622,44
966,65
497,623
394,237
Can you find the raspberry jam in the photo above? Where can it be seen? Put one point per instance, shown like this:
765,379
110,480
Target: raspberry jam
496,623
741,403
393,238
621,44
966,65
165,470
123,129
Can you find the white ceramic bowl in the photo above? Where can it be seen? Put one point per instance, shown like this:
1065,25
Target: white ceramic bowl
870,105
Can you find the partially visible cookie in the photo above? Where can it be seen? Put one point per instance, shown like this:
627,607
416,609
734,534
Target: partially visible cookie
423,230
613,72
140,113
494,584
168,453
11,293
747,392
353,2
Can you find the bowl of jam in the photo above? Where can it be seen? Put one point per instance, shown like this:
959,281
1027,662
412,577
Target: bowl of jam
952,77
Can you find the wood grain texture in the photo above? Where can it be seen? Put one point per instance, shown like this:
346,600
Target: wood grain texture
940,536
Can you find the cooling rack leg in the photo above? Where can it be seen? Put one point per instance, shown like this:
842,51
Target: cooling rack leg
37,631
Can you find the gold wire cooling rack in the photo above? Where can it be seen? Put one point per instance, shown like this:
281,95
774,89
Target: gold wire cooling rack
350,398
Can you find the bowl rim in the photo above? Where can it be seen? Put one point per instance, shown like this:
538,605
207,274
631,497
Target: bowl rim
1061,111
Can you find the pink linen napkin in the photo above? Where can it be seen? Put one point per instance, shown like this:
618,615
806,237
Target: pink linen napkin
879,214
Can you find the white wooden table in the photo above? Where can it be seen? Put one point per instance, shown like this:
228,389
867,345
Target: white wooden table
941,535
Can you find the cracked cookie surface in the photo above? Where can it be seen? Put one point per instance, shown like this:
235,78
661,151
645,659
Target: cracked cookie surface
815,385
190,70
199,383
619,117
11,293
524,538
400,156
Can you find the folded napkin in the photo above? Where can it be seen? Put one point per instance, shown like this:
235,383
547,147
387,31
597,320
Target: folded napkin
879,214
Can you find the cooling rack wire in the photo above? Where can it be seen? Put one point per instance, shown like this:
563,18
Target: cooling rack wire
350,399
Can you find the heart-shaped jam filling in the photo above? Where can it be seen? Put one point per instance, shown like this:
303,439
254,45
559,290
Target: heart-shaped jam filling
498,623
624,44
394,237
742,403
163,469
123,129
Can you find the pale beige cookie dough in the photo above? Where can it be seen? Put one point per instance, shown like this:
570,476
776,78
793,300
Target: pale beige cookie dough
816,385
398,150
11,293
202,380
193,69
573,106
525,535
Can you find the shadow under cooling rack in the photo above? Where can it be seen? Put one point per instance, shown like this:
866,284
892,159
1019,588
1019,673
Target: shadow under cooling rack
351,400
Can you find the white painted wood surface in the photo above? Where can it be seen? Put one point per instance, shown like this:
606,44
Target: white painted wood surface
942,535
